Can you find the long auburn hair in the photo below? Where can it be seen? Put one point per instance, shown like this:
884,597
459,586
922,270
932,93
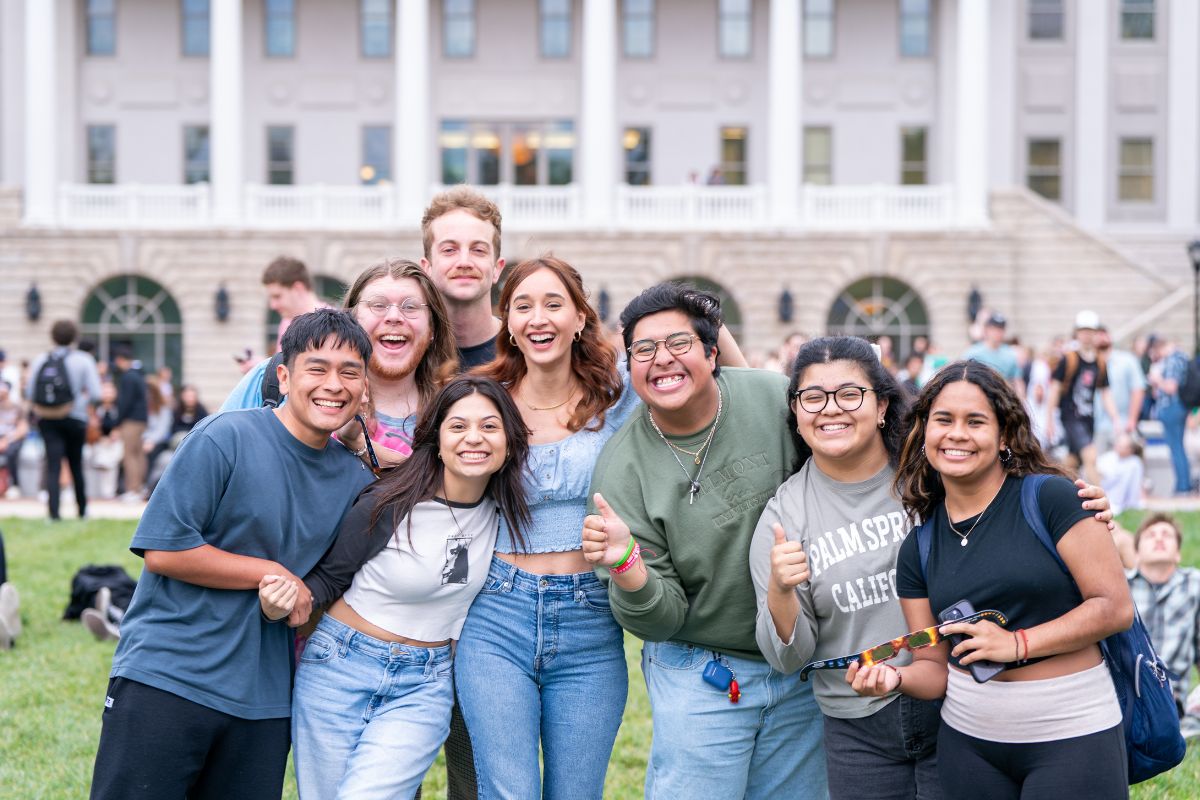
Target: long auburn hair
593,359
440,362
828,349
421,475
919,485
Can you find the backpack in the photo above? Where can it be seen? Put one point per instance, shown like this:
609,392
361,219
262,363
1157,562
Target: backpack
88,580
1189,389
1072,366
53,396
1153,742
271,397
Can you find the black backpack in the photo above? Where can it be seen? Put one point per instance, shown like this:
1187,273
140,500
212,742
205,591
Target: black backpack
1189,390
271,395
52,392
87,582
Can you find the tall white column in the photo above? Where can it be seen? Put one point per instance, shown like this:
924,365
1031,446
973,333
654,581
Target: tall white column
411,120
1183,125
1091,165
971,113
598,118
41,173
785,133
226,139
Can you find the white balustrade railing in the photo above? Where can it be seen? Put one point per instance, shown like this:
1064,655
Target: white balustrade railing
877,207
688,207
131,205
691,206
320,206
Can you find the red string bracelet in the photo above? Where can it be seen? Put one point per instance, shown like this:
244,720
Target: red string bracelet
1024,639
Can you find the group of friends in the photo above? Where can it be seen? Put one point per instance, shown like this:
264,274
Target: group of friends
518,493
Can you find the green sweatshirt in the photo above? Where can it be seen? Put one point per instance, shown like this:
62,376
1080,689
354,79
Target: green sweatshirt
699,589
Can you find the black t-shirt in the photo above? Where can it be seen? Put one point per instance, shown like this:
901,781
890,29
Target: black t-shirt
1003,566
1077,400
471,357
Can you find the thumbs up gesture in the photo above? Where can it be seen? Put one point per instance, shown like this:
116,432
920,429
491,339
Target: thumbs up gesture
605,535
789,565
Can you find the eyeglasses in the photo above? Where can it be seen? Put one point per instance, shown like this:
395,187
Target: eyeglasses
411,309
677,344
848,398
926,637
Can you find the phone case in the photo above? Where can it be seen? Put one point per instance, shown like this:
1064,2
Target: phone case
981,671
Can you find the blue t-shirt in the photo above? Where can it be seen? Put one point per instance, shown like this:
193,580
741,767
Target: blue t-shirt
241,483
1002,359
248,392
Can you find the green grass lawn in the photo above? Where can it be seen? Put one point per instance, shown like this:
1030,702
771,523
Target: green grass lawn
52,684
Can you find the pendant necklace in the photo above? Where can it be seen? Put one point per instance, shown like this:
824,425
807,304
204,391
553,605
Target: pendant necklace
532,407
693,482
963,536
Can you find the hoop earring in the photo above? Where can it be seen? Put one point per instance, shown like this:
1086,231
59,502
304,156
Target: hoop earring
882,422
1006,456
512,340
579,334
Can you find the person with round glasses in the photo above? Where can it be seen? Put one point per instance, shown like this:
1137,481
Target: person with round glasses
823,561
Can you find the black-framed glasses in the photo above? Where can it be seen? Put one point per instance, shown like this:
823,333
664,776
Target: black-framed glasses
847,398
677,344
411,309
926,637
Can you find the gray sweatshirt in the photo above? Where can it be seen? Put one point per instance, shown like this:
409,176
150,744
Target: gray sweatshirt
851,533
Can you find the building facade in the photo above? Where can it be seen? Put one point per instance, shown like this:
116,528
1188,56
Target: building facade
872,160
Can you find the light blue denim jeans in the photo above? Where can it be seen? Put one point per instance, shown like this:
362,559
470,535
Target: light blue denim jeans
368,716
541,660
767,745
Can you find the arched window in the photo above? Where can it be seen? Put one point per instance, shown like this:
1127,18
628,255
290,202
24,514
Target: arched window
729,306
879,306
140,313
329,291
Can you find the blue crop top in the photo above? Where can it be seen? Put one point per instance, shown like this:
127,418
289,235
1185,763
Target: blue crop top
557,477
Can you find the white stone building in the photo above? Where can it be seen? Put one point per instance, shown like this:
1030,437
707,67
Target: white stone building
878,159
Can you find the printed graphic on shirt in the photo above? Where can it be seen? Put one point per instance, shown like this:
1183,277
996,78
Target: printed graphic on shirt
860,557
741,487
456,569
1084,391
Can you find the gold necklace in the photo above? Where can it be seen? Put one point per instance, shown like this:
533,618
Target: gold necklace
696,456
693,482
963,536
532,407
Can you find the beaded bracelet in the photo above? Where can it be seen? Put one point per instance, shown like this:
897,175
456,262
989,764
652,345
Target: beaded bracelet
628,550
629,562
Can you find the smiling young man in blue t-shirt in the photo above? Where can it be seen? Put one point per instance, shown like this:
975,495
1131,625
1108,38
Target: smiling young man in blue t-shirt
199,696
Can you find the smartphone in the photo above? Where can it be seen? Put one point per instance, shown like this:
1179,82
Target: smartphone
981,671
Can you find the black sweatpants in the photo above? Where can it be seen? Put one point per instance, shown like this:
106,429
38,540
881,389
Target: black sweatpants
154,744
1092,766
64,438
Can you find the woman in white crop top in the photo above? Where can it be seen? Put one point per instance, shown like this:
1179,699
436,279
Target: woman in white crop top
373,691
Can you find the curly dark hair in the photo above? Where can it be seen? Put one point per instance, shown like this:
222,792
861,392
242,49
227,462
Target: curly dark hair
702,308
828,349
918,484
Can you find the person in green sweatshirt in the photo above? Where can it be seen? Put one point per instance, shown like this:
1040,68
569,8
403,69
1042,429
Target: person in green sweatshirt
677,493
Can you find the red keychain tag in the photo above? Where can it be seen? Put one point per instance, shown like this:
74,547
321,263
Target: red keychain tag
734,693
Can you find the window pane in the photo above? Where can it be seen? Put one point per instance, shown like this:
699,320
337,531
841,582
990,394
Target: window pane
279,154
1137,154
1048,186
555,28
733,156
525,145
560,152
637,26
377,155
636,142
913,156
485,141
1045,19
281,28
1044,171
818,155
458,28
1136,183
101,153
101,27
818,38
376,16
453,142
195,154
1137,19
1044,153
735,38
914,28
195,27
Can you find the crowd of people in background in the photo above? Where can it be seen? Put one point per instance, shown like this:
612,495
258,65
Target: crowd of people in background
110,438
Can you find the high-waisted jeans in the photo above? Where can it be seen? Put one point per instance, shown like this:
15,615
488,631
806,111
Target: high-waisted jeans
541,660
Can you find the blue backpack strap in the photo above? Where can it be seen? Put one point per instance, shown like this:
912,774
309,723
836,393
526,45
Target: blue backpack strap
1030,487
924,539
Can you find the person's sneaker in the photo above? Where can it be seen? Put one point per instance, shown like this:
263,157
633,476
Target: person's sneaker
103,600
131,497
10,611
99,625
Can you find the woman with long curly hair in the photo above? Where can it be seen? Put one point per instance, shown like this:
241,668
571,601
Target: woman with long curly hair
1049,724
374,686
